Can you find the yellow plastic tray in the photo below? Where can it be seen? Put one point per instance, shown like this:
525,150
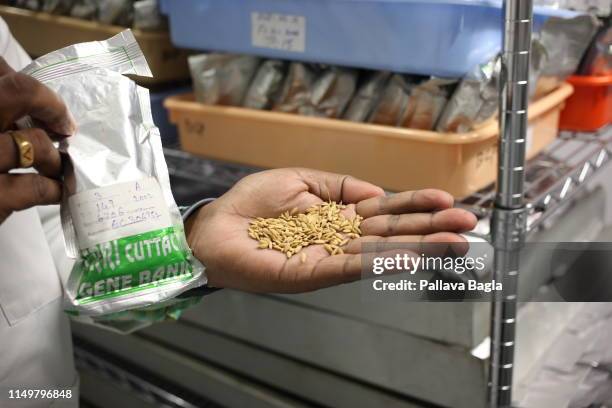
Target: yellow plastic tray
395,158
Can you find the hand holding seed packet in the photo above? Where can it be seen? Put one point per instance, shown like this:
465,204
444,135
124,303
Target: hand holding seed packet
119,218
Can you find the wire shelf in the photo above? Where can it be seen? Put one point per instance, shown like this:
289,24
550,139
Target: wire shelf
552,179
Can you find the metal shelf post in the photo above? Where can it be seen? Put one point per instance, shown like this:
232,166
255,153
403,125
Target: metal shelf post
509,220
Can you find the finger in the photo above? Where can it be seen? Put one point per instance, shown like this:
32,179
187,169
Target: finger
338,269
47,159
336,187
22,95
432,245
406,202
453,220
5,68
21,191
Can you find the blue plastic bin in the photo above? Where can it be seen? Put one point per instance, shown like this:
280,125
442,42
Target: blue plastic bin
434,37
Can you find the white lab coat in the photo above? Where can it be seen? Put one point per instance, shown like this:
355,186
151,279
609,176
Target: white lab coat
35,342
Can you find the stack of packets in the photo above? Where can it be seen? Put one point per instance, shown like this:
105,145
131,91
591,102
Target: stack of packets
319,90
386,98
140,14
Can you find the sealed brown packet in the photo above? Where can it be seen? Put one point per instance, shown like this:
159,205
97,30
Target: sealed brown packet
427,101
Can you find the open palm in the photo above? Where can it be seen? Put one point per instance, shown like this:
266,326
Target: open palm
218,232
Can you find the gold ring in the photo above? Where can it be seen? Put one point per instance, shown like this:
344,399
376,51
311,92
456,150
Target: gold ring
26,150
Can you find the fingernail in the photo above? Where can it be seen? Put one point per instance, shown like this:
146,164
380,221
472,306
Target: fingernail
68,126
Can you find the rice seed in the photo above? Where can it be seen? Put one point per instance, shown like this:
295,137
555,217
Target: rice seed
291,232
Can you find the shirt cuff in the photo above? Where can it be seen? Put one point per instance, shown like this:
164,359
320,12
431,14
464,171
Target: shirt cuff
186,211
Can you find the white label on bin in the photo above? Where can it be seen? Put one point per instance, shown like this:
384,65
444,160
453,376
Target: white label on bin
278,31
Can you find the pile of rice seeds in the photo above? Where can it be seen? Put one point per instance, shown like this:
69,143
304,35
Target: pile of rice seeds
322,224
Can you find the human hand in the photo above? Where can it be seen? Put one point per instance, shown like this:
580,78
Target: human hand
218,232
21,95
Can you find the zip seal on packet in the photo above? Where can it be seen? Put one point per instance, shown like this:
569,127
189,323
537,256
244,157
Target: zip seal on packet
119,217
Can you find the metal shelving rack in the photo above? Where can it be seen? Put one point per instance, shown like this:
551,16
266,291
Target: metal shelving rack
525,196
552,181
510,216
509,219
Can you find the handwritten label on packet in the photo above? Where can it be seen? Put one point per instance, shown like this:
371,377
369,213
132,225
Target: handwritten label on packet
117,211
278,31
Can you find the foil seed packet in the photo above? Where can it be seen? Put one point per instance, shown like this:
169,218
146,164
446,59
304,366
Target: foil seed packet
332,92
265,85
222,79
296,91
391,107
119,217
367,96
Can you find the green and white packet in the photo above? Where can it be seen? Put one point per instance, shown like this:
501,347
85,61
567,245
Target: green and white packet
119,217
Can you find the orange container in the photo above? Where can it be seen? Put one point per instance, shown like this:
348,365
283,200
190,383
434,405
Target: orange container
394,158
590,107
